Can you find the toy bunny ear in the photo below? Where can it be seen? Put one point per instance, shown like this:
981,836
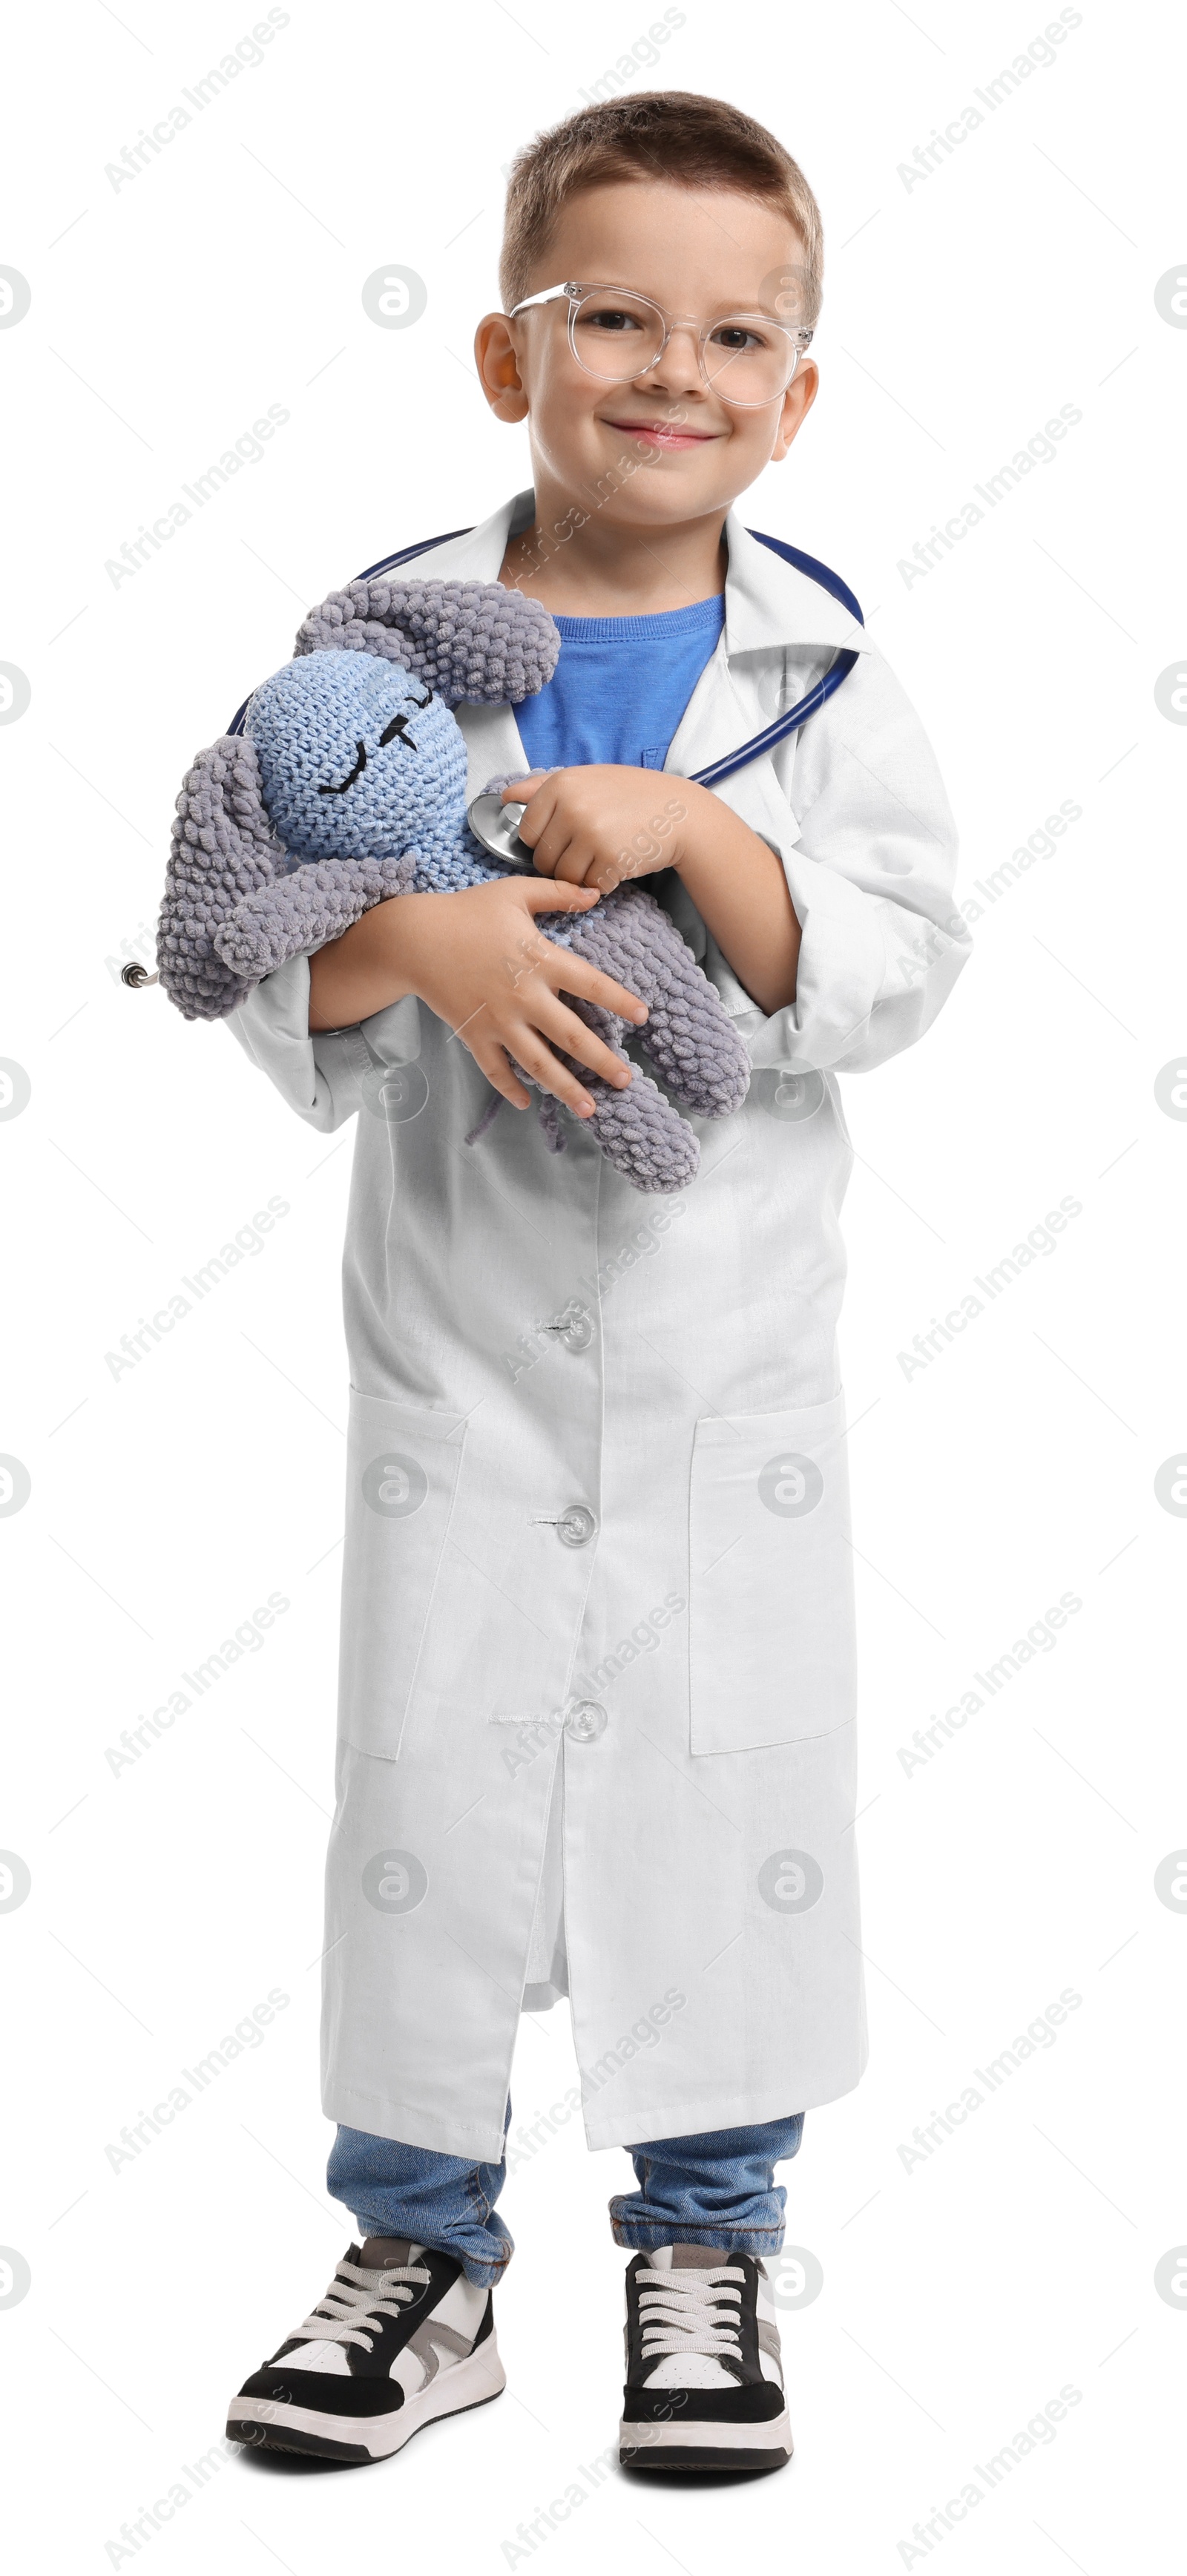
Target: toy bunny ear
467,639
224,847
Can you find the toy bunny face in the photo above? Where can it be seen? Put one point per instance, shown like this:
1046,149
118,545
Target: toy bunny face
358,757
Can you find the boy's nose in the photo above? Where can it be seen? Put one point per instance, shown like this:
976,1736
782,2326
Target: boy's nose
678,366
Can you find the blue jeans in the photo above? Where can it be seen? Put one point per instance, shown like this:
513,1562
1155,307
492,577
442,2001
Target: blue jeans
715,2189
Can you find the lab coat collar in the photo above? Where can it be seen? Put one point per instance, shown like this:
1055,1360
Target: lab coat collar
767,602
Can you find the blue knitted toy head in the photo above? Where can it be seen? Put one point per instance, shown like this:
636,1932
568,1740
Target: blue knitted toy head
358,759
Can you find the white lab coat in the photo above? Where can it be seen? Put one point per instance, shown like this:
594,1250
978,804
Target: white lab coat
613,1754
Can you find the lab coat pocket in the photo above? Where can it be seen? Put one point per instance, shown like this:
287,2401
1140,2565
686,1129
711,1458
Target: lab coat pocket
771,1635
402,1472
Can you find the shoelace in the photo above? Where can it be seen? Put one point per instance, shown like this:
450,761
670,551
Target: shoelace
693,2311
357,2300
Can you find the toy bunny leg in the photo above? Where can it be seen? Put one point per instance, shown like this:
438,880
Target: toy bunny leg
689,1037
638,1130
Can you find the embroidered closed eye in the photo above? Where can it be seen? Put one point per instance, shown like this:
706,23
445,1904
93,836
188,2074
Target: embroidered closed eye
356,772
396,731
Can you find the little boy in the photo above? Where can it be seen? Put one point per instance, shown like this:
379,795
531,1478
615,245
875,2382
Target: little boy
596,1733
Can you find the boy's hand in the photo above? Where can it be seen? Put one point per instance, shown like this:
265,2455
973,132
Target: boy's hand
486,969
602,825
597,826
477,959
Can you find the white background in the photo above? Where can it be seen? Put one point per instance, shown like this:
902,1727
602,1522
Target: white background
960,2294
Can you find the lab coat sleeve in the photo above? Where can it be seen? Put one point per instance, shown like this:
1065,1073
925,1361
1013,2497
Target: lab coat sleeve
871,873
320,1076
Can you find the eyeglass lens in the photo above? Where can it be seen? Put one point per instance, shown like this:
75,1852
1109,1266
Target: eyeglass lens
620,336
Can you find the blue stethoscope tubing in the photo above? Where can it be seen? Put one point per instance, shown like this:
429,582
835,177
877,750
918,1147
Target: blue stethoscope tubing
759,743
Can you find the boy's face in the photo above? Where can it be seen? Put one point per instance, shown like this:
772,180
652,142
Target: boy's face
706,252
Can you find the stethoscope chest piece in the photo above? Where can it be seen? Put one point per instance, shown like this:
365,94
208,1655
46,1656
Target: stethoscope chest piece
496,826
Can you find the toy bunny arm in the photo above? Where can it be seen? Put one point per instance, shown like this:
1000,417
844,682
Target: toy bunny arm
304,910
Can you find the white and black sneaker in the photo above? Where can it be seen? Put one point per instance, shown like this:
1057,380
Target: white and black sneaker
400,2338
704,2383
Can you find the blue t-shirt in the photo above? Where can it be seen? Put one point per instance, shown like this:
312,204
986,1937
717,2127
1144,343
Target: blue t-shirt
620,687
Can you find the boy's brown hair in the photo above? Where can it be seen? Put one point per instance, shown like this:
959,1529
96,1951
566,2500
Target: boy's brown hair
665,134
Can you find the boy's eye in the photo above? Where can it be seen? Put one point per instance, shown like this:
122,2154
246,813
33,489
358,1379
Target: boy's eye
738,335
611,317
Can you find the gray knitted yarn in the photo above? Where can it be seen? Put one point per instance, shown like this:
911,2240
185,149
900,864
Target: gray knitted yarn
469,640
688,1037
224,850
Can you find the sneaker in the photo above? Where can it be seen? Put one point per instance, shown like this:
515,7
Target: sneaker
400,2338
704,2383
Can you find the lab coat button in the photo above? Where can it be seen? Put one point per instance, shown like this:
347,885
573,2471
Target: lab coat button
574,1327
586,1722
575,1526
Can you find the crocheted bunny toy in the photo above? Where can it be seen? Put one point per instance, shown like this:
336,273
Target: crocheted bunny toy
348,785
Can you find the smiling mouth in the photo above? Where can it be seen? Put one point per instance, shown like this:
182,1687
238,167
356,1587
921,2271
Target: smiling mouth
662,434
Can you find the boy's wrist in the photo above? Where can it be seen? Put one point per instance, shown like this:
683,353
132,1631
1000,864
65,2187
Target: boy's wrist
374,963
708,838
694,836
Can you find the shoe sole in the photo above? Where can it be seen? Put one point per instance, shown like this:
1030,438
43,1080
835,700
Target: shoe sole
738,2447
265,2425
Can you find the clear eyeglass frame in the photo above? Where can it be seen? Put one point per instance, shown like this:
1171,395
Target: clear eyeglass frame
797,336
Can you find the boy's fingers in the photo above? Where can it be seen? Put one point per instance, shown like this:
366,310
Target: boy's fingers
549,971
591,985
492,1061
559,856
532,1045
587,981
529,792
552,897
563,1028
539,1060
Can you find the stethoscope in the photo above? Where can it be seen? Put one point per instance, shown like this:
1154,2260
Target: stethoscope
496,826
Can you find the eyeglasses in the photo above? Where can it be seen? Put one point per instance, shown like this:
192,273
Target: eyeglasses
747,358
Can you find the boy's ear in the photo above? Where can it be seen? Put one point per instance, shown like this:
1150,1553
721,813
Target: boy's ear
498,367
797,403
469,640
